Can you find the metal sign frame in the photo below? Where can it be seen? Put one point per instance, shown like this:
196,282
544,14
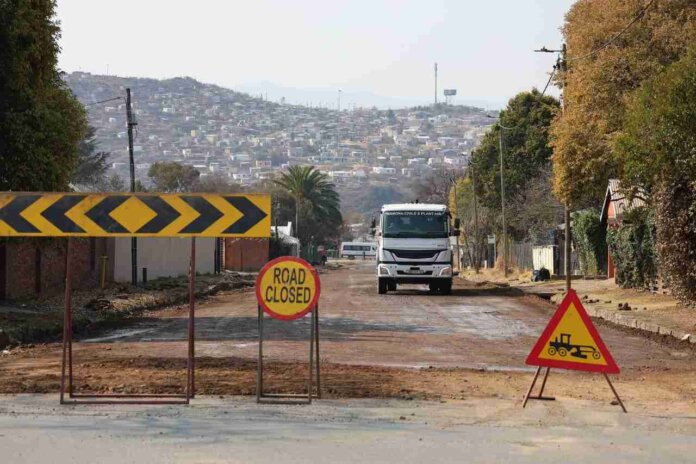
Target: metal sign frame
74,214
314,368
126,398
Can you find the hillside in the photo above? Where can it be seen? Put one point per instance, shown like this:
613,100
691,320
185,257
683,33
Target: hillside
246,139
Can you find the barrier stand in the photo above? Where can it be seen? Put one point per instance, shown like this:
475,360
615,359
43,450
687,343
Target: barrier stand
74,214
124,398
287,288
291,398
527,397
541,391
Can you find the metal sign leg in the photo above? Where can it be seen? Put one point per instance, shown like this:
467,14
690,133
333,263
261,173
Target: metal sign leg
616,394
191,326
67,321
259,370
311,357
318,365
543,382
526,397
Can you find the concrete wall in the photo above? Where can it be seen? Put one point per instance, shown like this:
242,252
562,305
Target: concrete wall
163,257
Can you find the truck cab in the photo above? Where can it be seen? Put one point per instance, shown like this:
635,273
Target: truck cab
413,246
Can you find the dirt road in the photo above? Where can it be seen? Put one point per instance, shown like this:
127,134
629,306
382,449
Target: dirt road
404,344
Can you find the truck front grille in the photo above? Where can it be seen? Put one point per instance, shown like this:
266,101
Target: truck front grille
415,254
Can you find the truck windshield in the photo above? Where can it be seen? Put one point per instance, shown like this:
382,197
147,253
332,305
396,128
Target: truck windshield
414,224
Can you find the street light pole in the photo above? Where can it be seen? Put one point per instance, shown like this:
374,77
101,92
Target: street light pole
456,207
502,203
502,194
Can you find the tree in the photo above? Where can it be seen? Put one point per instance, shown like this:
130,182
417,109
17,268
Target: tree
433,187
170,176
476,220
526,154
114,184
41,122
91,164
216,184
657,149
317,203
601,74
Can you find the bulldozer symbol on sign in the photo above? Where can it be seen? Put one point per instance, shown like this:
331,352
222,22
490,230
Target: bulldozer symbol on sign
563,347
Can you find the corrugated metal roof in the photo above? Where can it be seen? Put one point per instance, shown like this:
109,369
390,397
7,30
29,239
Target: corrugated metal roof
620,199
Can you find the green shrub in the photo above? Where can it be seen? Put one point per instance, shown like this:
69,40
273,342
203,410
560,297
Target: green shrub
590,240
675,211
632,248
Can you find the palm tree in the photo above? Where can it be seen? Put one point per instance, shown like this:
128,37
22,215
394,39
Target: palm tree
311,189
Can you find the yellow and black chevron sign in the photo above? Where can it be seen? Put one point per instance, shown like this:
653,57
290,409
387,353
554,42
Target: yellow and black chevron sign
134,215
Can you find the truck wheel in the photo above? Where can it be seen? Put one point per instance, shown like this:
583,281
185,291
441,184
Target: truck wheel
382,286
446,288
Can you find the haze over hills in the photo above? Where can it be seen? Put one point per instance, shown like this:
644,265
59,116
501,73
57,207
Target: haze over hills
328,97
243,139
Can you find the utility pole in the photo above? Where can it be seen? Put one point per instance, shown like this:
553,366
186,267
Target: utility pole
477,253
436,83
134,241
561,66
568,231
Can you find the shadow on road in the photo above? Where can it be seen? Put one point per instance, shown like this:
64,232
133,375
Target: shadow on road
246,329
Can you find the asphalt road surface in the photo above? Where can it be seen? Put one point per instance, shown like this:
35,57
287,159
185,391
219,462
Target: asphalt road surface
472,328
234,430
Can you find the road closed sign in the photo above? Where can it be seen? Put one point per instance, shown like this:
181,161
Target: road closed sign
287,288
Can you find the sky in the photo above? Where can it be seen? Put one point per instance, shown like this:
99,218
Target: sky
376,52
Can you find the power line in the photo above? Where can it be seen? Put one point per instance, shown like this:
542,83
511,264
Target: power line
549,81
105,101
639,16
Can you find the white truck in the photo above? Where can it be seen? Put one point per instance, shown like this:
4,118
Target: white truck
414,247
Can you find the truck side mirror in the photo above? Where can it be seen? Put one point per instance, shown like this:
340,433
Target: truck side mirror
373,227
457,223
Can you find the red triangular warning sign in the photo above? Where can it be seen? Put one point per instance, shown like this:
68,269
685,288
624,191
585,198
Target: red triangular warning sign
571,341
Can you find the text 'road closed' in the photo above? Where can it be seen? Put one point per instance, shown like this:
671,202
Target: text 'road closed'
287,288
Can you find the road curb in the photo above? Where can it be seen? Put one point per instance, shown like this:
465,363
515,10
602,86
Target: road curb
626,320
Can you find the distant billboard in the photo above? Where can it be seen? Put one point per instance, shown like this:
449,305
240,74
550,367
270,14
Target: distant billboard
450,92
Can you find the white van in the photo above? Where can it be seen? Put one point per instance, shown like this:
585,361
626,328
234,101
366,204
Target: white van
358,249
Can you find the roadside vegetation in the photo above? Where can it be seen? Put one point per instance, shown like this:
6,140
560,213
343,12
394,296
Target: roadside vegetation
629,114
